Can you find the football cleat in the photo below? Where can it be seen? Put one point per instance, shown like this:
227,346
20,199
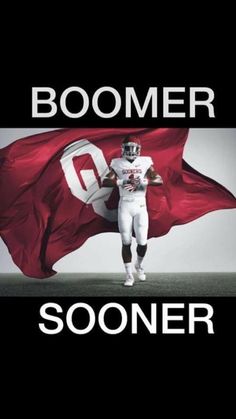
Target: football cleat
129,282
140,273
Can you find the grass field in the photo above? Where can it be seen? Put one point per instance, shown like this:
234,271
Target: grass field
85,284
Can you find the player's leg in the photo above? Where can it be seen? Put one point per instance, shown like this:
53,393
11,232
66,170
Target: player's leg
141,232
125,222
126,253
141,252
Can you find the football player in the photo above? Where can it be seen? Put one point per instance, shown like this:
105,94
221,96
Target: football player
132,173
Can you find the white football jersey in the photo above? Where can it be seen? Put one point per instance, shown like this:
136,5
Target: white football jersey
125,169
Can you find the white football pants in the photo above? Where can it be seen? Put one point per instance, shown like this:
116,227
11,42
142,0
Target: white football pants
132,214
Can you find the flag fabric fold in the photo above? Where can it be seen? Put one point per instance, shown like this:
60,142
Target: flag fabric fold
52,200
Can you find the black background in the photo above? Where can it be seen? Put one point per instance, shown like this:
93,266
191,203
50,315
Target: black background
124,356
16,99
21,317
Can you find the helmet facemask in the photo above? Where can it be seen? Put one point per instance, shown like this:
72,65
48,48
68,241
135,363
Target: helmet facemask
130,150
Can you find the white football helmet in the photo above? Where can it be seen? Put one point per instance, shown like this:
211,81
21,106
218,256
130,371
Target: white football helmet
131,147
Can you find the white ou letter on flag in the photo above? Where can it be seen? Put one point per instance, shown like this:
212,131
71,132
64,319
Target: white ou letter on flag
93,194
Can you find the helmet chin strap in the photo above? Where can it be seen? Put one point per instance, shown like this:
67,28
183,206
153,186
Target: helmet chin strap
130,158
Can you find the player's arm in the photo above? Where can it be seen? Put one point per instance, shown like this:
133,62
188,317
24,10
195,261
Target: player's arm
110,180
153,178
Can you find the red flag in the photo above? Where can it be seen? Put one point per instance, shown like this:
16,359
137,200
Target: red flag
52,200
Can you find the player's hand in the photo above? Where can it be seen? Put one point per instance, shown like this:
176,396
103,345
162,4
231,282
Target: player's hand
129,187
132,184
136,181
